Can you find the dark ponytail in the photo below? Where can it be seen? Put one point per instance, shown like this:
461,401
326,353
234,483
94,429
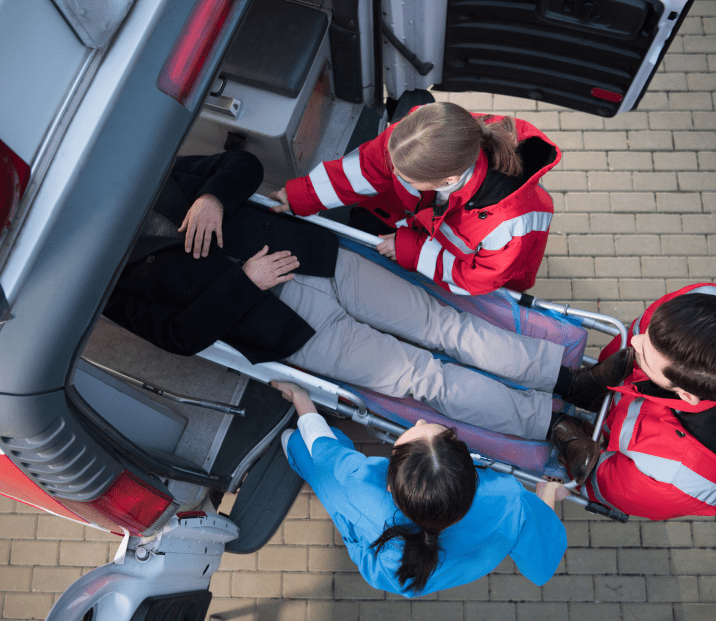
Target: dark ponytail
433,483
500,139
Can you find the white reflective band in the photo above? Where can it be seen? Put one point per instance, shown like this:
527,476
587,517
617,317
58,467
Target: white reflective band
312,426
323,187
403,222
429,257
448,262
517,227
407,186
453,238
595,485
662,469
709,289
354,174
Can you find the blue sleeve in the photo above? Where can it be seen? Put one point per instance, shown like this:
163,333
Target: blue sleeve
541,542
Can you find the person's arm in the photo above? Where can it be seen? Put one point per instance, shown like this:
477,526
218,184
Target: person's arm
237,177
482,272
551,491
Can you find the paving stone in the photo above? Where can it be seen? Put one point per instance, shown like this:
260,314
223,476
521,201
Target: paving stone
34,552
704,534
701,82
610,535
693,612
674,284
330,559
476,102
654,101
584,160
612,223
683,244
353,586
52,527
669,82
633,202
693,562
431,611
570,223
83,553
606,267
304,585
677,202
685,62
605,141
589,561
595,289
655,181
704,120
317,510
591,202
649,141
672,589
489,611
570,267
478,590
14,578
333,610
707,589
239,609
53,579
27,605
568,588
646,612
659,223
696,181
643,562
631,120
660,267
513,588
669,120
707,160
5,545
258,584
566,141
552,289
695,141
506,566
567,181
380,611
701,44
639,245
280,609
542,612
619,589
675,160
278,558
591,245
21,526
609,181
690,101
544,121
308,532
503,102
580,121
641,289
239,562
299,509
220,585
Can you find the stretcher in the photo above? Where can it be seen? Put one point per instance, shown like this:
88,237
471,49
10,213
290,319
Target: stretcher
387,417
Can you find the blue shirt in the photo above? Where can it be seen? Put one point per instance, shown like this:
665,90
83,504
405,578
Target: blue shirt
504,519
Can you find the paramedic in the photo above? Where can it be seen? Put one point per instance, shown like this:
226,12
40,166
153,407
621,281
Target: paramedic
424,520
280,289
457,196
659,460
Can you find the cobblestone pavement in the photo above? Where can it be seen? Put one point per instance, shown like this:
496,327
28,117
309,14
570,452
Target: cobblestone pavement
635,198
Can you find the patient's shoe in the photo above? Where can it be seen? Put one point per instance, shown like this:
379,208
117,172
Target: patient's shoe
285,437
589,386
579,450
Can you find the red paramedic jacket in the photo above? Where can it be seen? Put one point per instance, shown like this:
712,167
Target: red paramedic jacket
651,466
492,234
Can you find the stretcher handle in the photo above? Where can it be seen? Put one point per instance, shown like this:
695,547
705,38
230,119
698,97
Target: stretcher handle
365,239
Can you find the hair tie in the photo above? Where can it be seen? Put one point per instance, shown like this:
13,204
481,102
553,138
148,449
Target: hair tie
430,538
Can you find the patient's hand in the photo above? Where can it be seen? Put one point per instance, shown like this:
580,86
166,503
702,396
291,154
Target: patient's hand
267,270
201,221
282,197
297,395
387,248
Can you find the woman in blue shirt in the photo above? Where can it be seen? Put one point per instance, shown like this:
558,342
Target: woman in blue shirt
425,519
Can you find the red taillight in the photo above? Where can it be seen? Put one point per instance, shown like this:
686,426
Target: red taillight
601,93
14,175
127,502
183,67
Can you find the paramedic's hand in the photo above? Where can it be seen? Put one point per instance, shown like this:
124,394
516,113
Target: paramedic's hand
387,248
267,270
282,197
297,395
550,491
202,220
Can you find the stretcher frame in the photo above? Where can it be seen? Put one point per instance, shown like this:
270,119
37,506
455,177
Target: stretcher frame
339,402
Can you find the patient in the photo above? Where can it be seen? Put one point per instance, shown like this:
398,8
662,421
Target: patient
277,288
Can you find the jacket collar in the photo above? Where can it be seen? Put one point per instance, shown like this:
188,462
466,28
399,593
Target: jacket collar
638,388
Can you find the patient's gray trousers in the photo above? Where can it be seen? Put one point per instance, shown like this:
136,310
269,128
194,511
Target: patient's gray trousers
351,314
